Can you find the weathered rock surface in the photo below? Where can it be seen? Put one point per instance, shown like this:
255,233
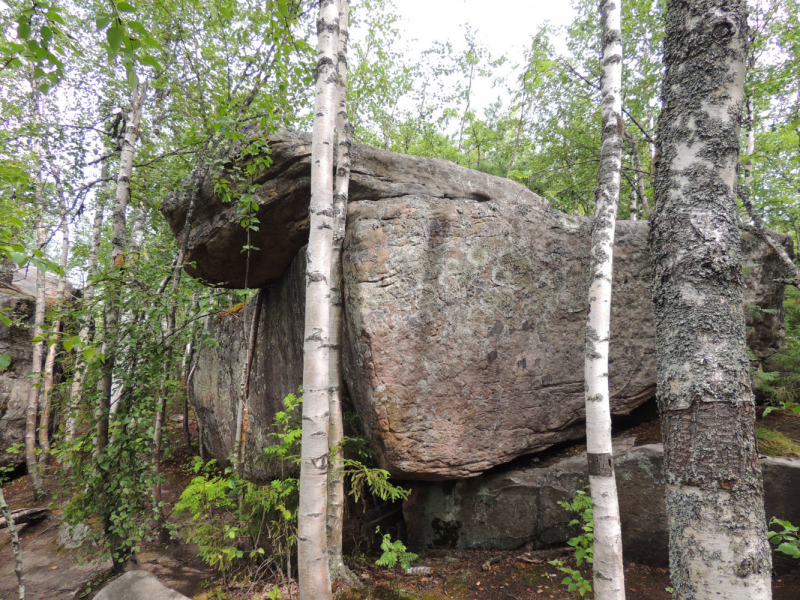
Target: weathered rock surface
15,341
216,238
138,585
277,370
465,305
511,507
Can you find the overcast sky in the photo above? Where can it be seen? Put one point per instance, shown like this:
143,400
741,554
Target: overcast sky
504,26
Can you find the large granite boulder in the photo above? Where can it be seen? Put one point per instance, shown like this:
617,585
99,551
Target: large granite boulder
15,341
465,305
517,506
277,370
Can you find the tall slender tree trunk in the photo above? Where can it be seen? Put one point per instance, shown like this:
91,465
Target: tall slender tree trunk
609,577
637,164
714,501
336,495
50,361
16,547
87,316
313,570
251,335
119,243
31,459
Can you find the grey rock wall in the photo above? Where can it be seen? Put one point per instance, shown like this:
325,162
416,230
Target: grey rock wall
509,508
14,383
465,307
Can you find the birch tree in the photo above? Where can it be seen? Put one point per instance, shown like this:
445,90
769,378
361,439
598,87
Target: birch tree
714,489
31,459
344,131
609,577
313,570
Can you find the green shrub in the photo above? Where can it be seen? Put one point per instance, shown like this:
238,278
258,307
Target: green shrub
583,544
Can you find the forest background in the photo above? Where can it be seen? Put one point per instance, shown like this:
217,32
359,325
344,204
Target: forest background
76,76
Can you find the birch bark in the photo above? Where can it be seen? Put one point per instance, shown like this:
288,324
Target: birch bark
31,459
714,501
609,578
85,331
111,314
15,545
50,361
344,131
313,570
119,242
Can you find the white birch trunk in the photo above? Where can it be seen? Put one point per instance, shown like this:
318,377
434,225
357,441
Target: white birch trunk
336,496
714,501
118,259
609,577
119,244
16,547
38,320
313,570
87,318
50,361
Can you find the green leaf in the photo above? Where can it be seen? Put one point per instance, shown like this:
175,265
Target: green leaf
114,35
102,20
71,342
789,549
125,7
150,61
23,31
89,354
133,80
5,361
54,16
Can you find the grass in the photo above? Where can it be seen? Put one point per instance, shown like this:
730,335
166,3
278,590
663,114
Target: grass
775,443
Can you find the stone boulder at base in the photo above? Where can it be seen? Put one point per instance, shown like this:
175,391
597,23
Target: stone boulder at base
15,341
138,585
465,305
517,505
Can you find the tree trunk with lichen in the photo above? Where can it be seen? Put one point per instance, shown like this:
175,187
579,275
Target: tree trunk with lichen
336,497
16,547
718,545
312,554
609,578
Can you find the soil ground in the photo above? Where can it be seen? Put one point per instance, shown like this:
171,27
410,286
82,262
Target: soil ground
54,574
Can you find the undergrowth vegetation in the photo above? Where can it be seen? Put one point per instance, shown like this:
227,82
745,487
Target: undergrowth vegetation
250,529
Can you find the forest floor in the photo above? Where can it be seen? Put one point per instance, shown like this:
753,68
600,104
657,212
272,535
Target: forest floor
57,574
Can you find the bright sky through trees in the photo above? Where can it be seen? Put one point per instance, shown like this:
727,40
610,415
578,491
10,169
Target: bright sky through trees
504,26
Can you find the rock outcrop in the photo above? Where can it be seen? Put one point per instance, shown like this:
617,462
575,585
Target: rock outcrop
15,341
138,585
465,306
516,506
276,371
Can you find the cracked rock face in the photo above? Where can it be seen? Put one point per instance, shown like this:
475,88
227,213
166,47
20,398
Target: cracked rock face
15,341
465,304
